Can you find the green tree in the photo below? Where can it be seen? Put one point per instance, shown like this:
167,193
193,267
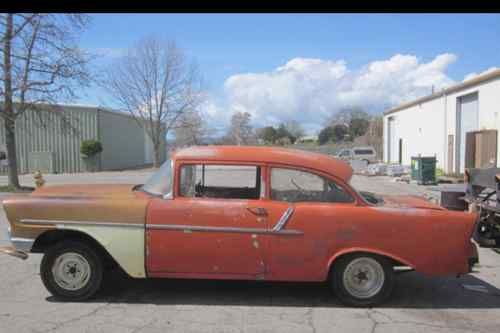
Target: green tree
283,132
268,134
325,135
90,148
344,115
358,127
339,132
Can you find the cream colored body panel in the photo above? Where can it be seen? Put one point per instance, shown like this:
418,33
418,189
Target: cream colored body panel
124,243
113,215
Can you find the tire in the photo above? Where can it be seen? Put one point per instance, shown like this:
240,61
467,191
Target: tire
71,271
378,275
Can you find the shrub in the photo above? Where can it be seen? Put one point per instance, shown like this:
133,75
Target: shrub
90,148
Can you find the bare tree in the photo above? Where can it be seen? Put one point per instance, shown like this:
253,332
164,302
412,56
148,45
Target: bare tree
295,129
191,129
374,135
346,114
240,130
156,85
41,65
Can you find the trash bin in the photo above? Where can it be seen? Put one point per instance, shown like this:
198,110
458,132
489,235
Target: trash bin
423,170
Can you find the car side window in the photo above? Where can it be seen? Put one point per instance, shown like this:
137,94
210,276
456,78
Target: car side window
220,181
363,152
299,186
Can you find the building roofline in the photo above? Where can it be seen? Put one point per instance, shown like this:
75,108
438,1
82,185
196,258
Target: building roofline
87,107
466,84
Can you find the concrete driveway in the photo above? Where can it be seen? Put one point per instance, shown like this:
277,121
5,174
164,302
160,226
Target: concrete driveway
419,304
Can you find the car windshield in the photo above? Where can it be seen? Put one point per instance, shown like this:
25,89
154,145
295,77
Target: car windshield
160,183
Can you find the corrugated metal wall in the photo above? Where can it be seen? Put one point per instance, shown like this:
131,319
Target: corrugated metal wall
122,141
52,139
60,131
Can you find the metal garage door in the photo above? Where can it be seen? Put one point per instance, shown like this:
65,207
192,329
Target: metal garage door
467,121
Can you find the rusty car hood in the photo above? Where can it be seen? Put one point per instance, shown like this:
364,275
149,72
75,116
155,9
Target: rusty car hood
409,201
112,191
111,203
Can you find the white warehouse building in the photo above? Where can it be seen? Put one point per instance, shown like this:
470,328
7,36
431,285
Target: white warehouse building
457,125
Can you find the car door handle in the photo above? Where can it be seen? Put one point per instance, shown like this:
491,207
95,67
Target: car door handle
259,211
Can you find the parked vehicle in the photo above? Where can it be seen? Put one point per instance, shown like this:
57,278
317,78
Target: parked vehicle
227,212
367,154
480,194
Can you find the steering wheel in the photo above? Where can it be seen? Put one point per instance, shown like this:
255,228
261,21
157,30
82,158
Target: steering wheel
198,189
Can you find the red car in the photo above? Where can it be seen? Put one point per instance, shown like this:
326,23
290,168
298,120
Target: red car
256,213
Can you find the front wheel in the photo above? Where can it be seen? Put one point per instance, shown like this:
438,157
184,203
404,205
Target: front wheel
362,279
71,271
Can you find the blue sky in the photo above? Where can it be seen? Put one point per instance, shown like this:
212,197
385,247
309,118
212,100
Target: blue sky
232,45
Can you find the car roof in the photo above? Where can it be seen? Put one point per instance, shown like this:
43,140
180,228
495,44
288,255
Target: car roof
260,154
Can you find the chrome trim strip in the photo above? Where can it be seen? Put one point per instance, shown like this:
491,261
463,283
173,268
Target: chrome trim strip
191,228
22,244
85,223
283,219
170,195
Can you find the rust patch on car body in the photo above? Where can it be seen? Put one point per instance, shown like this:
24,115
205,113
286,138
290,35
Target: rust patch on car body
114,215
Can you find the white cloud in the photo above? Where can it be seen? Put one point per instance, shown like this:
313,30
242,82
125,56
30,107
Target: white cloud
474,74
310,90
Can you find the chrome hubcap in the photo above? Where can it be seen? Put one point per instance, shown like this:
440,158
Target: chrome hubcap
71,271
363,277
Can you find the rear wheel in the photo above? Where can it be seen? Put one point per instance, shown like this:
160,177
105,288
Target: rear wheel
71,271
362,279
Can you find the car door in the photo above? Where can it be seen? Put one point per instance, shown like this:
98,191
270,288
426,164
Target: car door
319,206
215,225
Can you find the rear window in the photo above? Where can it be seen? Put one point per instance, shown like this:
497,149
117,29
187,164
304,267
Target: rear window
299,186
363,151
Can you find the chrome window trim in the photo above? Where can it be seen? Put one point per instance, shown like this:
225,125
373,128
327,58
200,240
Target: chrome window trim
169,195
283,219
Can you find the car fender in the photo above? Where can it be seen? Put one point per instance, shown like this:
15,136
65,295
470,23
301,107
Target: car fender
342,252
125,243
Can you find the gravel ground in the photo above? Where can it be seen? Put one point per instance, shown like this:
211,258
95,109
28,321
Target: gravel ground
419,303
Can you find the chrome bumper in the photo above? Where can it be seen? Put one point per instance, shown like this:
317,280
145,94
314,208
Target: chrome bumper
10,250
20,246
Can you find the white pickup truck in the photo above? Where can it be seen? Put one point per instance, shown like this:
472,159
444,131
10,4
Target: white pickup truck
367,154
